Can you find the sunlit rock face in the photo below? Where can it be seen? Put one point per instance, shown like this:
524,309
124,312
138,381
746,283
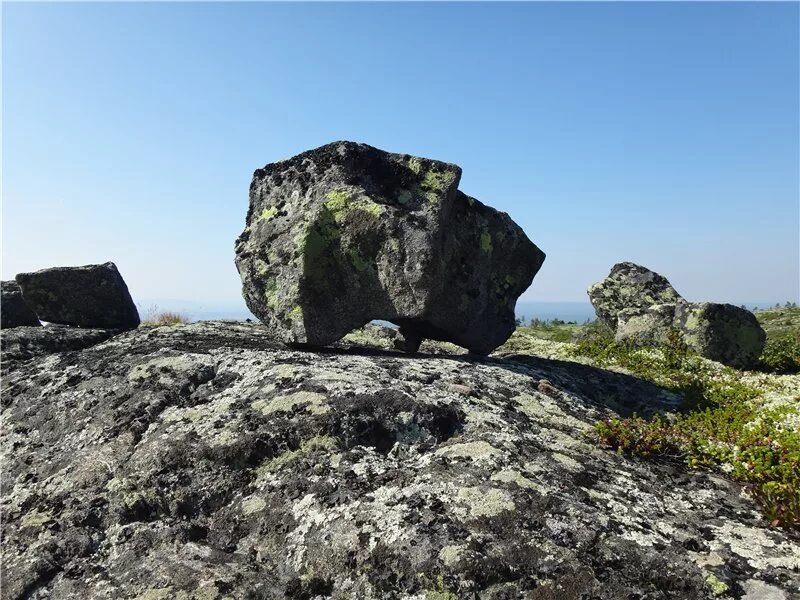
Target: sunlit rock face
346,233
643,308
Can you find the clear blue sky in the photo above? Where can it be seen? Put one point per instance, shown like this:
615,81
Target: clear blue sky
666,134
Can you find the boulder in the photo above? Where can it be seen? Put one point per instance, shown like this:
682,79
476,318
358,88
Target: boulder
90,296
345,234
628,287
721,332
14,311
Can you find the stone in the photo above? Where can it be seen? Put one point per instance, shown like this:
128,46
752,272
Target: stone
23,343
722,332
629,286
14,311
346,234
93,296
199,461
648,327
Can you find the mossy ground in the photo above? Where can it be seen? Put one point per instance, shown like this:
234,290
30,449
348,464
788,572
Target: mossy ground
745,423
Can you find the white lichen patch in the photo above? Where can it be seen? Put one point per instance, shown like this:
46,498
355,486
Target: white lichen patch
512,476
450,555
476,451
475,502
253,504
757,546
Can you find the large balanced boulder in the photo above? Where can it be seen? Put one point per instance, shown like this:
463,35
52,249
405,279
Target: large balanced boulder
629,286
643,308
345,234
14,311
90,296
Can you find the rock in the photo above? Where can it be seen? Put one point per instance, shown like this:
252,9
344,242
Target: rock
24,343
629,286
721,332
91,296
345,234
648,327
14,312
200,461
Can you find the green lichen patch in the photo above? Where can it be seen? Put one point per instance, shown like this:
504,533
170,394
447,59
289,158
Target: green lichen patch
450,555
486,242
253,504
415,164
271,293
341,202
515,477
317,443
36,519
716,586
296,314
267,214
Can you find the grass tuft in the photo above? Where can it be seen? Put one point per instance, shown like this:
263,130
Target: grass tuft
158,318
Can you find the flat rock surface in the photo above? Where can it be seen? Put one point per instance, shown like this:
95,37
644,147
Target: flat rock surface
21,343
204,461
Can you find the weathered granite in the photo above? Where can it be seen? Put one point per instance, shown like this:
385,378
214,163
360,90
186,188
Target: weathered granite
345,234
93,296
205,461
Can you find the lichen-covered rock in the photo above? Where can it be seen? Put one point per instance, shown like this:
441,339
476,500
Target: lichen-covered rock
721,332
23,343
629,287
345,234
205,461
14,311
90,296
646,327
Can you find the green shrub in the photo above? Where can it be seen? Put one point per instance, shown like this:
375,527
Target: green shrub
758,451
721,423
782,353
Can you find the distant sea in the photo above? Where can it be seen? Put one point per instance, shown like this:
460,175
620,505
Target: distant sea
206,311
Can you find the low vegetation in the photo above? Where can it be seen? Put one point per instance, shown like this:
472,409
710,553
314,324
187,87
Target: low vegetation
556,329
744,423
157,318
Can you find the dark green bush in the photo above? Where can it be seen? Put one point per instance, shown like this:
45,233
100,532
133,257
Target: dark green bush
782,353
720,424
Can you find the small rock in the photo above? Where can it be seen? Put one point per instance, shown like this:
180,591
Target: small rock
91,296
629,286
